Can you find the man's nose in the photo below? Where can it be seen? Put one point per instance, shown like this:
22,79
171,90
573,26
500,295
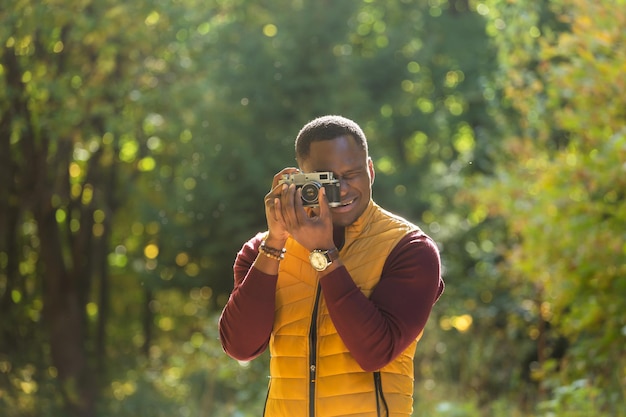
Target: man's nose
343,186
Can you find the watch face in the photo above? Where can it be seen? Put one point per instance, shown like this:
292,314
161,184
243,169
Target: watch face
318,261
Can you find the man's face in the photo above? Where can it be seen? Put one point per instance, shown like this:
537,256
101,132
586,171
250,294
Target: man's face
344,157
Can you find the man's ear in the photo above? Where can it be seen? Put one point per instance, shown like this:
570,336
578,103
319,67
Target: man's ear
370,167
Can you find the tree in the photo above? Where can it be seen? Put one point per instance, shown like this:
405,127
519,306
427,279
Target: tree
73,75
561,194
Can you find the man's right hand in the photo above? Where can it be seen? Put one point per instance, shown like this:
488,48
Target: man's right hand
275,223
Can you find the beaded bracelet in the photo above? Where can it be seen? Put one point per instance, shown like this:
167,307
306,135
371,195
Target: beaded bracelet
273,253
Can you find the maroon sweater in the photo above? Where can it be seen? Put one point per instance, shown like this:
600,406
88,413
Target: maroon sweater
374,329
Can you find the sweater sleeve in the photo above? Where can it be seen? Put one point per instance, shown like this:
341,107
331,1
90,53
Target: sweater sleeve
247,319
378,329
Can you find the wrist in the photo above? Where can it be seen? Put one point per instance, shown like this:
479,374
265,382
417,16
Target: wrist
275,241
272,252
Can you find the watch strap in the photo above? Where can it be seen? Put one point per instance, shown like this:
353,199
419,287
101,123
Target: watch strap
331,254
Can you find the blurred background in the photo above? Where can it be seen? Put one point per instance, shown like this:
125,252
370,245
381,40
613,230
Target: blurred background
138,138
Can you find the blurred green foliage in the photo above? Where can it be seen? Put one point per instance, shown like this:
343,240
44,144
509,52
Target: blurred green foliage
138,139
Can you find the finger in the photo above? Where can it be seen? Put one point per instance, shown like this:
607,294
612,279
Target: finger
300,211
276,191
278,215
279,176
323,202
276,201
287,205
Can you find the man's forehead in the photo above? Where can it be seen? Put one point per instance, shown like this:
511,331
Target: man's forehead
336,165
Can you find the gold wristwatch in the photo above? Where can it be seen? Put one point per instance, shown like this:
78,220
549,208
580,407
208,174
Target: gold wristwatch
320,258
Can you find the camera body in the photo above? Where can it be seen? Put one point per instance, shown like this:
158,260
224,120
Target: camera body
311,184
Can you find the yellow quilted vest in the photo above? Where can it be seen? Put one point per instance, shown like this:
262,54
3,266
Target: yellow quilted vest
312,372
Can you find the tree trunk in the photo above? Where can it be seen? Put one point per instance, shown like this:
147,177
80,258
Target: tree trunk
9,242
63,316
148,318
62,311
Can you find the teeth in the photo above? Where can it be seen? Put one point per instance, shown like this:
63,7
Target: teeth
347,203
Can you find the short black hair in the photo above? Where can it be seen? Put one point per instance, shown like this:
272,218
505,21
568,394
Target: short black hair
327,128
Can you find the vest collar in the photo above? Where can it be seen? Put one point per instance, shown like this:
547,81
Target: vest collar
362,223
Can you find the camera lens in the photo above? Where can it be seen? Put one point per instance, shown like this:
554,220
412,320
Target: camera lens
310,192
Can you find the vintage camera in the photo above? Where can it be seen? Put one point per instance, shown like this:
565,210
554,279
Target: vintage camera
311,184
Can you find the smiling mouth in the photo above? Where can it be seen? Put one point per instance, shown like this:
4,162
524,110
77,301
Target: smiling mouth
345,203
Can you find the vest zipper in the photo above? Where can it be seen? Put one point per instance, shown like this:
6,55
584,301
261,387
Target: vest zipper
380,396
313,353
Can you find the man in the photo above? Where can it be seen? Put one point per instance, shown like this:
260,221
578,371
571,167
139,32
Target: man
340,294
